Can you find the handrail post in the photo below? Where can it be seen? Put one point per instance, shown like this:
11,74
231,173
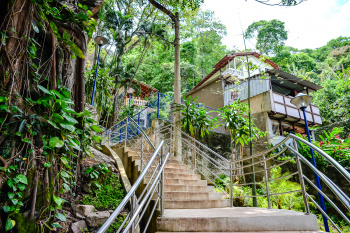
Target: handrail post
162,184
121,131
126,131
318,183
231,185
267,184
301,179
171,141
141,150
158,104
132,211
195,163
138,122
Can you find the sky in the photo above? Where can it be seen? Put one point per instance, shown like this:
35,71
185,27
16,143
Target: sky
310,24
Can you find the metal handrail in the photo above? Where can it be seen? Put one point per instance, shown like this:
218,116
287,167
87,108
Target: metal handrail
332,161
190,146
133,189
198,142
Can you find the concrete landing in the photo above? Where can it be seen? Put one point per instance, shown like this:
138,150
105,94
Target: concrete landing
259,232
236,219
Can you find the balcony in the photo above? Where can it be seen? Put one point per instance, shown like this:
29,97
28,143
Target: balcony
283,109
231,71
136,102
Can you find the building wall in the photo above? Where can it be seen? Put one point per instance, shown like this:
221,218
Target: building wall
260,103
210,95
234,91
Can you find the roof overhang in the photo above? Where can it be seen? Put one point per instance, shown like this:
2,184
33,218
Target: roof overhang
291,81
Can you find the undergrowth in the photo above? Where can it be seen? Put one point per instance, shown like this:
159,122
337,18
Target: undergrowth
106,197
117,223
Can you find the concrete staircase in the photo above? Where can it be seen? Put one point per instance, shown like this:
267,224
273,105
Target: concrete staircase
193,206
183,188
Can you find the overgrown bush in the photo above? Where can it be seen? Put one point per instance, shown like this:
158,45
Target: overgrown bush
107,197
333,145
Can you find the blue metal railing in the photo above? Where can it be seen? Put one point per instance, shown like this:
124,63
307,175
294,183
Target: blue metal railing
161,108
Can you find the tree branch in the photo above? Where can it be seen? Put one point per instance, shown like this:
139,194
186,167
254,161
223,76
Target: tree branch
132,46
163,9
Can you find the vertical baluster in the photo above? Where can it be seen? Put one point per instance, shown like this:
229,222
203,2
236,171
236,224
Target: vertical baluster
267,184
138,122
121,131
162,184
126,131
195,160
171,141
132,212
301,179
158,104
141,151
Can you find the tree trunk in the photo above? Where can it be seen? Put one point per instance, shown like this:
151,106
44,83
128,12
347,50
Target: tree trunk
177,84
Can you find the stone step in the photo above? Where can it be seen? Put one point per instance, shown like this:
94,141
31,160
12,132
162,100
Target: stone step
178,170
189,188
185,182
182,176
236,219
156,160
184,195
195,204
178,165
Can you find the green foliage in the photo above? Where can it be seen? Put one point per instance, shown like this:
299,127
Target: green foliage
269,35
290,201
106,197
333,145
62,141
236,120
117,224
104,88
334,99
94,173
195,121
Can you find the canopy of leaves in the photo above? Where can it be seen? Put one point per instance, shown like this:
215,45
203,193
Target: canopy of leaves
270,35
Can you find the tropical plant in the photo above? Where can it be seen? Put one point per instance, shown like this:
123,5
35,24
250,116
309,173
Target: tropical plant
235,117
195,119
333,145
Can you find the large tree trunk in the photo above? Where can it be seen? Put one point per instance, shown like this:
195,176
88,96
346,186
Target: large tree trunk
21,71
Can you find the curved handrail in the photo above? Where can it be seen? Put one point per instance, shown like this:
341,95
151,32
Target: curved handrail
265,151
323,178
132,191
332,161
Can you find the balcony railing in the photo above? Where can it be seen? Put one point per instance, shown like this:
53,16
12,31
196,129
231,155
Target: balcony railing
232,71
283,106
136,102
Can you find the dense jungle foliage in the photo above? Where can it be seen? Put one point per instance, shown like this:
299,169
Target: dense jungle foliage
47,63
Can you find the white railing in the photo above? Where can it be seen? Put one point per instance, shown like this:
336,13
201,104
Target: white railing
232,71
136,102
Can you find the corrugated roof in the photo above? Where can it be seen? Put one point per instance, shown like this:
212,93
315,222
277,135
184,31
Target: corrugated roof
228,58
292,81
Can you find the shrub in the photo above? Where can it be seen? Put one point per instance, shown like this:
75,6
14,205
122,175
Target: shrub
107,197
